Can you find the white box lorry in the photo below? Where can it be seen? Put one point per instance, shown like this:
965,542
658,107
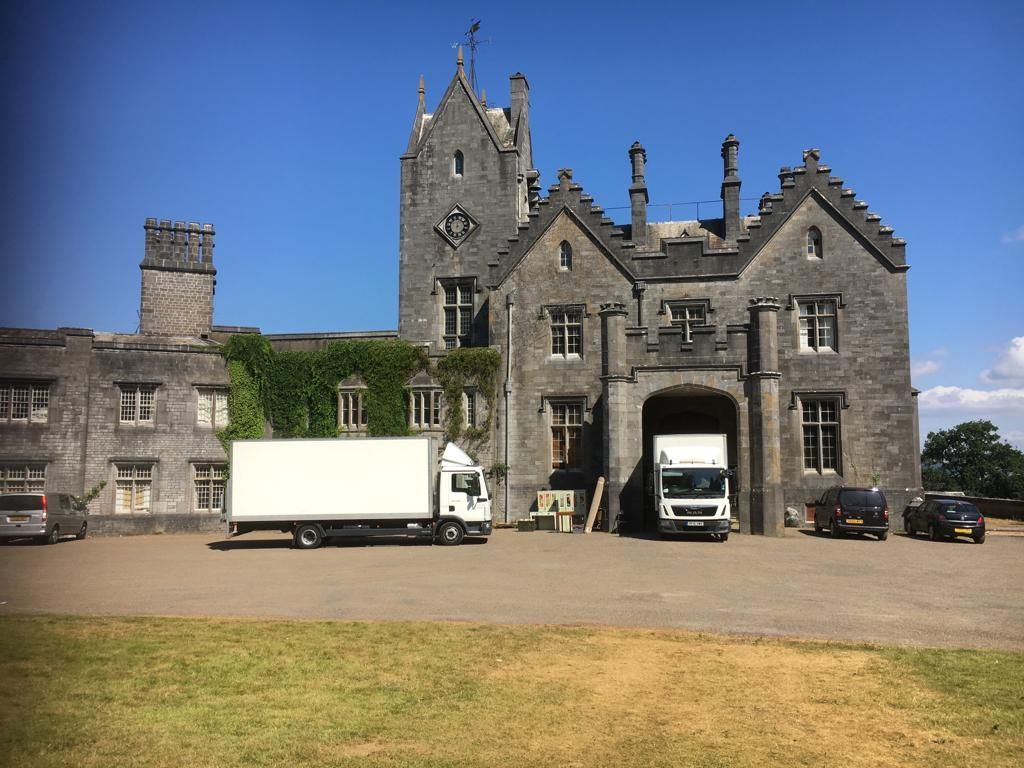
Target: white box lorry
691,484
378,486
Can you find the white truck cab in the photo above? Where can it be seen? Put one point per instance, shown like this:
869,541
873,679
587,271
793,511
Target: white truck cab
691,484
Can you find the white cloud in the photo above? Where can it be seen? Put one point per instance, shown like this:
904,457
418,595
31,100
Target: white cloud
1010,366
1017,236
924,367
961,398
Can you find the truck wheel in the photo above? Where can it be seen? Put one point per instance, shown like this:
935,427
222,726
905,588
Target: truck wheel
54,536
308,537
83,531
450,534
723,537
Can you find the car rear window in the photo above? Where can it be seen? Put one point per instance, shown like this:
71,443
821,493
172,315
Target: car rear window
18,501
861,498
958,506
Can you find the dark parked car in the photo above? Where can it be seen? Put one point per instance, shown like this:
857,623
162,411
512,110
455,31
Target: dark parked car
843,509
945,518
44,517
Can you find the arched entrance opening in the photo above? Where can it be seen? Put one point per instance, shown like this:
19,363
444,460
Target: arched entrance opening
687,411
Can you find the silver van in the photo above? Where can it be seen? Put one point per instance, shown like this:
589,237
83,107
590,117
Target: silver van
43,517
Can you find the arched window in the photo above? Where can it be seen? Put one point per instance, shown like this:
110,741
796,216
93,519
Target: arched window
814,249
565,256
458,164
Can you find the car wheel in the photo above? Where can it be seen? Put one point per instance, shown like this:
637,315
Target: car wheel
450,534
833,529
308,537
54,536
933,532
817,528
83,531
883,536
908,526
979,538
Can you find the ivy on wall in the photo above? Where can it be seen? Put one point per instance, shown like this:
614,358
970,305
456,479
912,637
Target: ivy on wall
297,392
468,367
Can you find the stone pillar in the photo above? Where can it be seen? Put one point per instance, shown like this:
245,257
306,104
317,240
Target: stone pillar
767,504
638,198
614,385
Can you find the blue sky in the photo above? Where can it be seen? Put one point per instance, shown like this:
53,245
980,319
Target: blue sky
282,124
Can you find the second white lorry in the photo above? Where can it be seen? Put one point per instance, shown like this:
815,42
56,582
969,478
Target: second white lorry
315,489
691,484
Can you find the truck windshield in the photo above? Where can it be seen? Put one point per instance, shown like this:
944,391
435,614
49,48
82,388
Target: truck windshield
678,483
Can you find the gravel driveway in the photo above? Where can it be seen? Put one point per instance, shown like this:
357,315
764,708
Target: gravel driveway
903,591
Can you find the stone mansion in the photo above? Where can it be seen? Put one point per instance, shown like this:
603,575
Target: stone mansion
786,330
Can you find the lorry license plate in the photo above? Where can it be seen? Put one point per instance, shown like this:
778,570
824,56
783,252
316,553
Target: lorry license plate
962,530
695,523
17,518
855,520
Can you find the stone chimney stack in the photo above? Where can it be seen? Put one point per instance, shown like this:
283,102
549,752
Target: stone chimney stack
178,279
731,188
638,198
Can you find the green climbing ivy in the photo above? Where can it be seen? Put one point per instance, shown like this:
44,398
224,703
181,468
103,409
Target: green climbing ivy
297,392
468,367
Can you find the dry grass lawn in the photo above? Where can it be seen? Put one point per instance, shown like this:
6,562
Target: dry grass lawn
99,692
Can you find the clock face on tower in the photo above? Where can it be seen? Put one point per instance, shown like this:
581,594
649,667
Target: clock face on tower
456,226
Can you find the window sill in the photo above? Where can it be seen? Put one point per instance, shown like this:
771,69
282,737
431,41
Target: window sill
808,351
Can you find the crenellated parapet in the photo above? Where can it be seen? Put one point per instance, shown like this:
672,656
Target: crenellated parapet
178,246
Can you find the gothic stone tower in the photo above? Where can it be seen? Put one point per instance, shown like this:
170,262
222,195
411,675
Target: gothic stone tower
178,279
466,178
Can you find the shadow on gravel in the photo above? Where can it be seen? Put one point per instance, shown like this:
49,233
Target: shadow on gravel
844,537
285,542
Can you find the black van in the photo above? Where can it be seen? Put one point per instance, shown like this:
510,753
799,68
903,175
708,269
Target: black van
44,517
843,509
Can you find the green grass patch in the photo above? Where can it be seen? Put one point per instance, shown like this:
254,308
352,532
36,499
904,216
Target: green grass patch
86,692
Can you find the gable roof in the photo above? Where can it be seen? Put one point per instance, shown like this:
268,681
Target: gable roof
423,123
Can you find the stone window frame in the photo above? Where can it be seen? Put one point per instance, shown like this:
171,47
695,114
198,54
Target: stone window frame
456,312
548,404
669,306
815,244
209,478
426,408
138,478
219,417
795,305
30,397
470,407
560,337
23,476
458,164
137,405
813,431
565,256
352,416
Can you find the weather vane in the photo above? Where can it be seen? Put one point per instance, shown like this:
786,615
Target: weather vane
472,42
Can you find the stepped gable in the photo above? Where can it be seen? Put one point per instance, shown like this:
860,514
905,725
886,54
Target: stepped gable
700,252
568,197
813,179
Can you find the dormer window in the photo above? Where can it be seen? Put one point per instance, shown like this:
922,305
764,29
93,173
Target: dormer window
565,256
814,249
458,164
